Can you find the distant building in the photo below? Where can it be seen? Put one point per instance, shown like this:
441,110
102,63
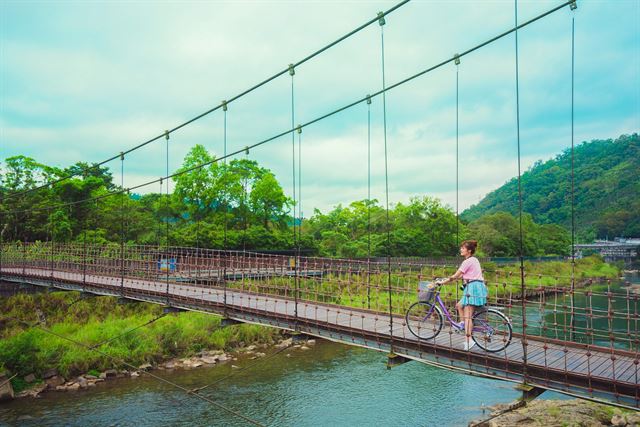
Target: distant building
618,249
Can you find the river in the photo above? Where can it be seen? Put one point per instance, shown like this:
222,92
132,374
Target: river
329,385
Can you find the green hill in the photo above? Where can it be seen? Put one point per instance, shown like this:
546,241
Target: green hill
607,189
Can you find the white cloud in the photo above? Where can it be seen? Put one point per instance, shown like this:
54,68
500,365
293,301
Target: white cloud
98,78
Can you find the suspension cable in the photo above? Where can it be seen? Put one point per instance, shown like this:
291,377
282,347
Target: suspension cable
122,196
457,63
166,204
521,249
382,22
329,114
573,216
292,73
368,202
232,99
224,207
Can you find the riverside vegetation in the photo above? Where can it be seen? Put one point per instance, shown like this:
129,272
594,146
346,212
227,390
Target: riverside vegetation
29,351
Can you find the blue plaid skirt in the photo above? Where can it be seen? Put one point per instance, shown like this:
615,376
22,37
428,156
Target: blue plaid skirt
474,293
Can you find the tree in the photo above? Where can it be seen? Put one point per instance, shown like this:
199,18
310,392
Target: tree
268,201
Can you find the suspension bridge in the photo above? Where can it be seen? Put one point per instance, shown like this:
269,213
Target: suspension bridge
577,340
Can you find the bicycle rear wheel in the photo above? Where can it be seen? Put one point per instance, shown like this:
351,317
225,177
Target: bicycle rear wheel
491,330
424,320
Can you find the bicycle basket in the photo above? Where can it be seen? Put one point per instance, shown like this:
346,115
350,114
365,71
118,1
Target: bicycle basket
426,291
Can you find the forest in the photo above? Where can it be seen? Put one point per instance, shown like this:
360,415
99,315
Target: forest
241,205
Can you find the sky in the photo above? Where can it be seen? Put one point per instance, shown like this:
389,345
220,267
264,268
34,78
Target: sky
85,80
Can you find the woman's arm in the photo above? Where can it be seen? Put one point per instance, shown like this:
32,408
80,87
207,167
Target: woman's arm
456,276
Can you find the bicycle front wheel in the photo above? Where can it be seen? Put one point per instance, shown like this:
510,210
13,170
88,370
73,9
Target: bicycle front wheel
491,330
424,320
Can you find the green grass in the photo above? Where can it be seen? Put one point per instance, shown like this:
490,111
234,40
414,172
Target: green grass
350,289
26,350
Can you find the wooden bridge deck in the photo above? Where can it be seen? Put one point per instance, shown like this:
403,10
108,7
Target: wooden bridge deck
585,371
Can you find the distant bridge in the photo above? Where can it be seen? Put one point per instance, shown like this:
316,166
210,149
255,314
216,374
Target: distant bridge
361,303
621,249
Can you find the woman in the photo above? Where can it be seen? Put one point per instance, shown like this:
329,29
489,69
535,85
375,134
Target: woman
474,293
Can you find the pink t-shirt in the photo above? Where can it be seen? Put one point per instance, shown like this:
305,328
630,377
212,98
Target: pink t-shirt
471,270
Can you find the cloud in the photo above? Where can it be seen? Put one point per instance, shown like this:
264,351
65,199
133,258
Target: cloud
84,81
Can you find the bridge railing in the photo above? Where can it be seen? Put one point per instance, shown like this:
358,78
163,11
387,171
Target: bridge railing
604,313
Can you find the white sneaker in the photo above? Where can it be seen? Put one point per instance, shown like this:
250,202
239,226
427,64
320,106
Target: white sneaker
468,345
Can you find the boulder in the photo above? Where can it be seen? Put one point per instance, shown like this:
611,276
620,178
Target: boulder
6,390
170,365
110,373
210,360
54,382
618,421
74,387
90,377
103,376
145,367
284,343
260,354
251,348
61,388
311,342
82,382
304,347
223,358
134,374
34,391
196,364
30,378
50,373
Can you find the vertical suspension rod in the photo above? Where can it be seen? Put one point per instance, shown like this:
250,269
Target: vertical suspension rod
573,216
368,202
296,279
382,22
122,225
166,203
521,236
225,258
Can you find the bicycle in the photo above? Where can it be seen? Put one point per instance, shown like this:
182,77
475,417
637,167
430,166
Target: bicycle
491,331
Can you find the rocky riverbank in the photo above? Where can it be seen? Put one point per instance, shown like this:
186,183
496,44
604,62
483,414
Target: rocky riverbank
51,380
558,413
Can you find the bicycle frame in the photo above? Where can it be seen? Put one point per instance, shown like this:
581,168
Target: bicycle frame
457,325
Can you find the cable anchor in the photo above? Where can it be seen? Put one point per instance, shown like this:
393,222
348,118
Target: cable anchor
368,99
246,150
166,135
224,105
573,5
299,129
292,71
456,59
121,156
381,19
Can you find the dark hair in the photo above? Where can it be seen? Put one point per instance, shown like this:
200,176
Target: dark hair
471,245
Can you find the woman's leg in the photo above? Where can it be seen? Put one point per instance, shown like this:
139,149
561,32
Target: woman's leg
468,322
460,309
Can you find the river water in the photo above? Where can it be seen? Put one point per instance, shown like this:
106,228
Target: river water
329,385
